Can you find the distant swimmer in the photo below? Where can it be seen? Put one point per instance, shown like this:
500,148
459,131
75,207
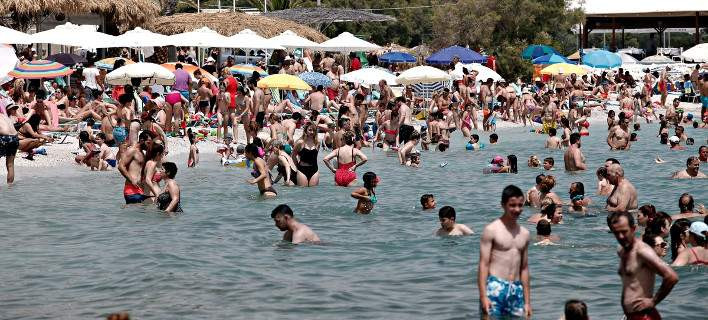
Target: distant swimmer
427,201
503,274
448,226
638,268
573,157
366,194
691,171
553,142
624,195
543,234
295,231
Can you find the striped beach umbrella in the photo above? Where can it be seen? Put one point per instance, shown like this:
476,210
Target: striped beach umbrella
108,63
40,69
315,79
247,70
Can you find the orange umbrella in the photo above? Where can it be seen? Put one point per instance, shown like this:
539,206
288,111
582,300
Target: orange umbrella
190,68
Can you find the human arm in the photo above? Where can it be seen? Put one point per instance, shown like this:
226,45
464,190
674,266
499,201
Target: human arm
579,161
328,158
669,278
402,154
260,167
288,171
609,140
123,165
525,278
150,169
174,191
362,157
360,194
683,258
466,231
485,250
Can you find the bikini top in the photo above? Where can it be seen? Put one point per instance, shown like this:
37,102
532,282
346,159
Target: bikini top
372,198
698,260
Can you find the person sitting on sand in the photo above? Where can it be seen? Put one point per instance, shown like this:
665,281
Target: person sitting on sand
366,195
427,201
448,226
295,231
691,171
29,136
169,199
543,234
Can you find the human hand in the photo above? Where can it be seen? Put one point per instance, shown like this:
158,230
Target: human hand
485,304
643,304
251,181
527,311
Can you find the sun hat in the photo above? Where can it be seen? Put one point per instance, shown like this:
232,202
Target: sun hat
698,229
674,139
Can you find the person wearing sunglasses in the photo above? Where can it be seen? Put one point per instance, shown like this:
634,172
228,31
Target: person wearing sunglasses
657,243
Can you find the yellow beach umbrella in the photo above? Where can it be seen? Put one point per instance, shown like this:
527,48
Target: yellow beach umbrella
283,81
563,68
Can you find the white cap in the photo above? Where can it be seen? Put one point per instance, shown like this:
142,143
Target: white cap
210,59
674,139
699,229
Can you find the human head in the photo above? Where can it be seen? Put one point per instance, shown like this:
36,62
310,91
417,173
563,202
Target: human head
646,214
178,66
512,201
622,226
615,173
493,138
693,164
281,215
251,152
552,132
552,211
474,138
348,137
543,228
685,203
575,138
548,163
657,243
447,217
427,201
370,180
679,235
576,310
697,233
511,161
703,153
170,169
661,224
576,191
547,184
533,161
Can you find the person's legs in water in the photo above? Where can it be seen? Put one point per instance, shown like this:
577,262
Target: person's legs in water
8,149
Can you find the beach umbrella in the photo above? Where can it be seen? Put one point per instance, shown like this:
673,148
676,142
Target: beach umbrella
426,90
550,58
291,40
627,59
656,59
8,60
202,37
247,70
67,59
602,59
369,76
445,56
190,68
12,36
422,74
108,63
70,34
397,57
150,74
40,69
283,81
247,39
140,37
537,50
483,73
564,68
347,42
698,53
315,79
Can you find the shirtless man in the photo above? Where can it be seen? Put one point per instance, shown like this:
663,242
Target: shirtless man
573,157
131,166
533,195
553,142
704,93
259,103
405,129
639,265
624,196
503,274
485,98
203,98
703,153
9,143
295,231
448,226
290,125
316,99
691,171
618,138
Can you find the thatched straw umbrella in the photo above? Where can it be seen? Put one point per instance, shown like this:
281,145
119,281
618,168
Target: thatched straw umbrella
124,13
230,23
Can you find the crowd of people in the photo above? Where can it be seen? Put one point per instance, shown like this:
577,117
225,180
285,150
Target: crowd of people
286,131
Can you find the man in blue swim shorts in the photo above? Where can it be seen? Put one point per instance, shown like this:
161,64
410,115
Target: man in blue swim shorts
503,274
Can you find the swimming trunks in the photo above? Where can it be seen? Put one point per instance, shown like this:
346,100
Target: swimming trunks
404,133
163,201
506,297
119,134
343,177
649,314
9,145
260,118
112,162
173,97
185,93
204,104
133,194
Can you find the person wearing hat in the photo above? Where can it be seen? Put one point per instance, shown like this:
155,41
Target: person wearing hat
697,254
674,141
210,65
691,171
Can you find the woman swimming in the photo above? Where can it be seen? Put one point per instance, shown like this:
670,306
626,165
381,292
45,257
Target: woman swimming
345,174
306,150
170,199
366,194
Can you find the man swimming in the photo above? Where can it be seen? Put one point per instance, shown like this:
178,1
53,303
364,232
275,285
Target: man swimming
503,274
448,226
624,195
295,231
691,171
639,265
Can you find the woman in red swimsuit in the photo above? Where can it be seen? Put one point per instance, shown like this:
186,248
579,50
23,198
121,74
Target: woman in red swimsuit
345,175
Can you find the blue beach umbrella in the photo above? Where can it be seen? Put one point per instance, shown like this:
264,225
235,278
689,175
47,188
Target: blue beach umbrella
551,58
315,79
602,59
445,56
397,57
536,50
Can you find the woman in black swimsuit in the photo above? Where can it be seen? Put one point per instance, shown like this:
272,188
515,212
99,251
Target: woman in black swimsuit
306,150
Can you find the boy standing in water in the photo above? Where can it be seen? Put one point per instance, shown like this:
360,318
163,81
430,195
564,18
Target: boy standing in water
503,274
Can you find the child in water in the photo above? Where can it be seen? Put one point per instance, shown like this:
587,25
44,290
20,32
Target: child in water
366,194
193,158
169,199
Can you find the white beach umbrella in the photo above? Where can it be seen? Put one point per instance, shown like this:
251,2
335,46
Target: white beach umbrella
369,76
70,34
698,53
347,42
150,73
8,62
657,59
627,59
483,73
291,40
422,74
247,39
140,37
202,37
11,36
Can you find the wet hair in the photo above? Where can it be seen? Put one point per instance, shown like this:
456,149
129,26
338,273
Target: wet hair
442,147
633,136
157,149
574,137
84,137
679,227
550,160
691,159
369,179
547,183
576,310
690,141
548,208
511,191
539,178
144,136
424,199
348,137
475,137
649,211
297,116
447,212
615,217
637,126
688,207
493,137
579,189
552,132
170,169
658,223
512,163
415,135
281,209
252,148
543,228
664,138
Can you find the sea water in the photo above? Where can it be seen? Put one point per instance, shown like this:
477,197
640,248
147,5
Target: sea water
70,249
